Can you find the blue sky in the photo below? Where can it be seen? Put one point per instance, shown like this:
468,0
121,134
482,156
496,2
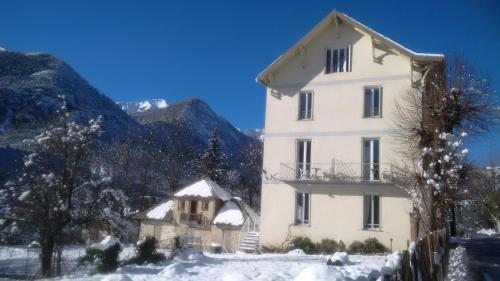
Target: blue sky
135,50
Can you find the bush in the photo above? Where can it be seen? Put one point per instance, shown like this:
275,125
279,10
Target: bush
369,246
303,243
146,252
107,259
373,246
329,246
357,247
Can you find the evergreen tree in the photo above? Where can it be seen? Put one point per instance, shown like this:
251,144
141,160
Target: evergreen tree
214,160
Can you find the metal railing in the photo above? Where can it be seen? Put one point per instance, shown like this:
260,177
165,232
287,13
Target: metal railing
337,171
194,220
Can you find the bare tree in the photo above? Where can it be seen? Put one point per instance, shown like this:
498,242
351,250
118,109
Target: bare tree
433,120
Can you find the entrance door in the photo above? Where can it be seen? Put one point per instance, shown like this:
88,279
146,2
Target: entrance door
193,207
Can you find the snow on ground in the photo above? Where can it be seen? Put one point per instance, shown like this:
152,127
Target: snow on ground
225,267
161,211
230,214
457,267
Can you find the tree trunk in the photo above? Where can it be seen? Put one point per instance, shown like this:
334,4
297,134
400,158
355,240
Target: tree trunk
46,254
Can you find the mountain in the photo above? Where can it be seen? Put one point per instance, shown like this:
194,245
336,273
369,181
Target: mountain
30,86
257,134
141,106
199,120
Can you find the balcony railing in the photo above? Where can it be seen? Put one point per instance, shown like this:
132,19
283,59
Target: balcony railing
194,220
337,171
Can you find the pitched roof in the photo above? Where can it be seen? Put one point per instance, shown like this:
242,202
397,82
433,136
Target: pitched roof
204,189
332,16
161,211
230,214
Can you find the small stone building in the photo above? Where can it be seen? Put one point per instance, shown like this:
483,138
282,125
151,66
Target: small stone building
202,213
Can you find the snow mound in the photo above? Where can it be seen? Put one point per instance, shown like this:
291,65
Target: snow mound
205,189
160,211
116,277
47,72
106,243
192,253
392,262
172,271
230,214
338,258
320,273
296,252
486,232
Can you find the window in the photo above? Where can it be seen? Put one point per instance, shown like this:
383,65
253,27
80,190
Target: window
371,159
371,211
180,205
339,60
303,159
302,208
305,105
372,103
204,206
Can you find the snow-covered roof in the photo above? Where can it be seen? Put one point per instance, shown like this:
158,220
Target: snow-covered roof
230,214
159,212
204,189
426,57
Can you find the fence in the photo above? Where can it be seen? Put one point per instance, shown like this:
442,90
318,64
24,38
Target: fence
427,261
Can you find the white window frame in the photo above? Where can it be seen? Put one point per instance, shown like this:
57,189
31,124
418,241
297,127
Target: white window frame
371,114
300,218
347,61
372,157
372,225
306,93
303,175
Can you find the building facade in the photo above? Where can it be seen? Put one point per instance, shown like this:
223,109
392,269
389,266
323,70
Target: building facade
329,145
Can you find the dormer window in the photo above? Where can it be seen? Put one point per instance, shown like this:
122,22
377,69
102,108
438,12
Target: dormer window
338,60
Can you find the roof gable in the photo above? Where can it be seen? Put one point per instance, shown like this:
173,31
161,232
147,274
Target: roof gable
337,18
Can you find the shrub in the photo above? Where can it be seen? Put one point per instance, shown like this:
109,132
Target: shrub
303,243
329,246
146,252
357,247
107,259
373,246
369,246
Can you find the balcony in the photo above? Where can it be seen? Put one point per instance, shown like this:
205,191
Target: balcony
194,220
337,172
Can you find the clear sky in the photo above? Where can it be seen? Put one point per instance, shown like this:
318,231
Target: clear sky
136,50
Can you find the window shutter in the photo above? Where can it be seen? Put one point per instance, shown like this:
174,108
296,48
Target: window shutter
328,60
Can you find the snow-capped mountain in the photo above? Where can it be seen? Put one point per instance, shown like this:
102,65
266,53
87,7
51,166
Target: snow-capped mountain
255,133
141,106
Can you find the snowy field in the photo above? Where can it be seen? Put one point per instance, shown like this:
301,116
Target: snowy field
225,267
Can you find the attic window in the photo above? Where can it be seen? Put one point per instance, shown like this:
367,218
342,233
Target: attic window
339,60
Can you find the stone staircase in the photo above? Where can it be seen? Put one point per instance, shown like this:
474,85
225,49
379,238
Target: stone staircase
250,244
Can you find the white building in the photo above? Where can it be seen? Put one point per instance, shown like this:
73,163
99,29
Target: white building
328,146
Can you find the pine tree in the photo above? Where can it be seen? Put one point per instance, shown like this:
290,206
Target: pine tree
214,160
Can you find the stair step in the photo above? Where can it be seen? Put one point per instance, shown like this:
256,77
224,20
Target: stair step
248,248
251,240
249,244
